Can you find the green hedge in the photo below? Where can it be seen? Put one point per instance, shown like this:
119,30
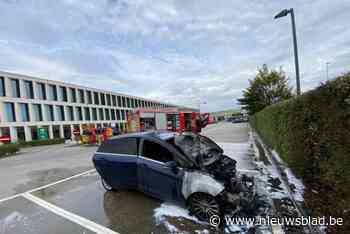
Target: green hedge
8,149
42,142
312,134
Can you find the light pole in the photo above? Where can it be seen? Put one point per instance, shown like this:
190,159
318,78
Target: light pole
199,105
296,60
327,64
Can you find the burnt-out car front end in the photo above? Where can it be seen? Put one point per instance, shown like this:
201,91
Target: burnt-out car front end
216,175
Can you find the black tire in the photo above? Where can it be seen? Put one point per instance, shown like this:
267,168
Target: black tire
106,186
203,206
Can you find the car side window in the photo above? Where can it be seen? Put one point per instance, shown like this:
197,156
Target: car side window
155,151
127,146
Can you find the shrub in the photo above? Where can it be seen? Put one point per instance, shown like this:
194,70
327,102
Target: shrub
43,142
8,149
312,134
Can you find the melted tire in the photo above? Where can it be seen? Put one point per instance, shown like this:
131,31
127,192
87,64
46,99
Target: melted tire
203,206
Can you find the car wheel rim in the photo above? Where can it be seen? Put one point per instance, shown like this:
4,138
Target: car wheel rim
203,207
106,185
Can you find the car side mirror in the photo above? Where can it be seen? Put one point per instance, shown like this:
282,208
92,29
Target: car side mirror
173,166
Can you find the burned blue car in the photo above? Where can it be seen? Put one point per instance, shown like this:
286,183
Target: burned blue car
187,168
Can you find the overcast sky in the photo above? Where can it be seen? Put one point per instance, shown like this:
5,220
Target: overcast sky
182,51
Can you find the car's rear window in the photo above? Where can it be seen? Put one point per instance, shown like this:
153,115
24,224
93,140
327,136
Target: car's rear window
120,146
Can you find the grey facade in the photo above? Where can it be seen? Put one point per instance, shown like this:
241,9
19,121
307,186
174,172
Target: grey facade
27,103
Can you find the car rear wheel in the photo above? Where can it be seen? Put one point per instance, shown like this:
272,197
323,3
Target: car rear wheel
107,186
203,206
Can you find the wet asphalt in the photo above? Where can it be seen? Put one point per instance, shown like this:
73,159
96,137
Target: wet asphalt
122,211
22,216
37,166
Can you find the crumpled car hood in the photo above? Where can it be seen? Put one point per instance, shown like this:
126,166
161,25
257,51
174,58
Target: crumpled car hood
199,148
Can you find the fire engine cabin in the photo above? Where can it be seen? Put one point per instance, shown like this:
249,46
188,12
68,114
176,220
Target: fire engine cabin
171,119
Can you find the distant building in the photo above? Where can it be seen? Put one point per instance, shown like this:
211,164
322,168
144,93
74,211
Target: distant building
224,115
28,103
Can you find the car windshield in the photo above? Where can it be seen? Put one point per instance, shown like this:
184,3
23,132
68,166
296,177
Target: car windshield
200,148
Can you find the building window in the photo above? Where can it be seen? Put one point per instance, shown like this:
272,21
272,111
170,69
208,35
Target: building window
81,97
119,101
37,114
52,95
87,114
9,112
96,99
79,113
49,113
103,99
73,95
114,100
15,88
108,97
60,113
21,134
63,94
70,114
128,102
2,87
23,107
112,114
118,114
123,102
107,114
41,91
89,97
34,132
123,115
101,114
28,89
94,114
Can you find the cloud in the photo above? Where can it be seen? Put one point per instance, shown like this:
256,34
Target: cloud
183,52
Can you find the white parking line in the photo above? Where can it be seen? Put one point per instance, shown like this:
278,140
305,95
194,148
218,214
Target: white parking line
68,215
48,185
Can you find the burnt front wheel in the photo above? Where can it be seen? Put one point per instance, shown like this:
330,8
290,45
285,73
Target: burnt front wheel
203,206
107,186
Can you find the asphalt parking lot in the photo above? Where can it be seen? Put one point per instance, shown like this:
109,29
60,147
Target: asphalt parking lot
55,190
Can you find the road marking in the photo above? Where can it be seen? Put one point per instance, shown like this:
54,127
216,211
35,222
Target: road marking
48,185
68,215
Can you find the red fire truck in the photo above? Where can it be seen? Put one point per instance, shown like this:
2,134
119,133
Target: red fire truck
171,119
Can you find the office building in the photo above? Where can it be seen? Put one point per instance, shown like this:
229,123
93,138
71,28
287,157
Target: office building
28,103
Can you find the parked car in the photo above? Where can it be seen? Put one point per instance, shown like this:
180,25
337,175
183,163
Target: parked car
239,119
187,168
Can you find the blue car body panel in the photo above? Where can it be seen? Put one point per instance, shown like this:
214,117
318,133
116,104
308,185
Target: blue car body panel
159,180
120,171
152,177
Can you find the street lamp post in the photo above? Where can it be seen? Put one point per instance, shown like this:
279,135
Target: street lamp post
296,60
199,105
327,64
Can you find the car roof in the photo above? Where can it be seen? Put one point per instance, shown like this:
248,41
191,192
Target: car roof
161,135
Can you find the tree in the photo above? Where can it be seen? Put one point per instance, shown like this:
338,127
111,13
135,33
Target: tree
268,87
